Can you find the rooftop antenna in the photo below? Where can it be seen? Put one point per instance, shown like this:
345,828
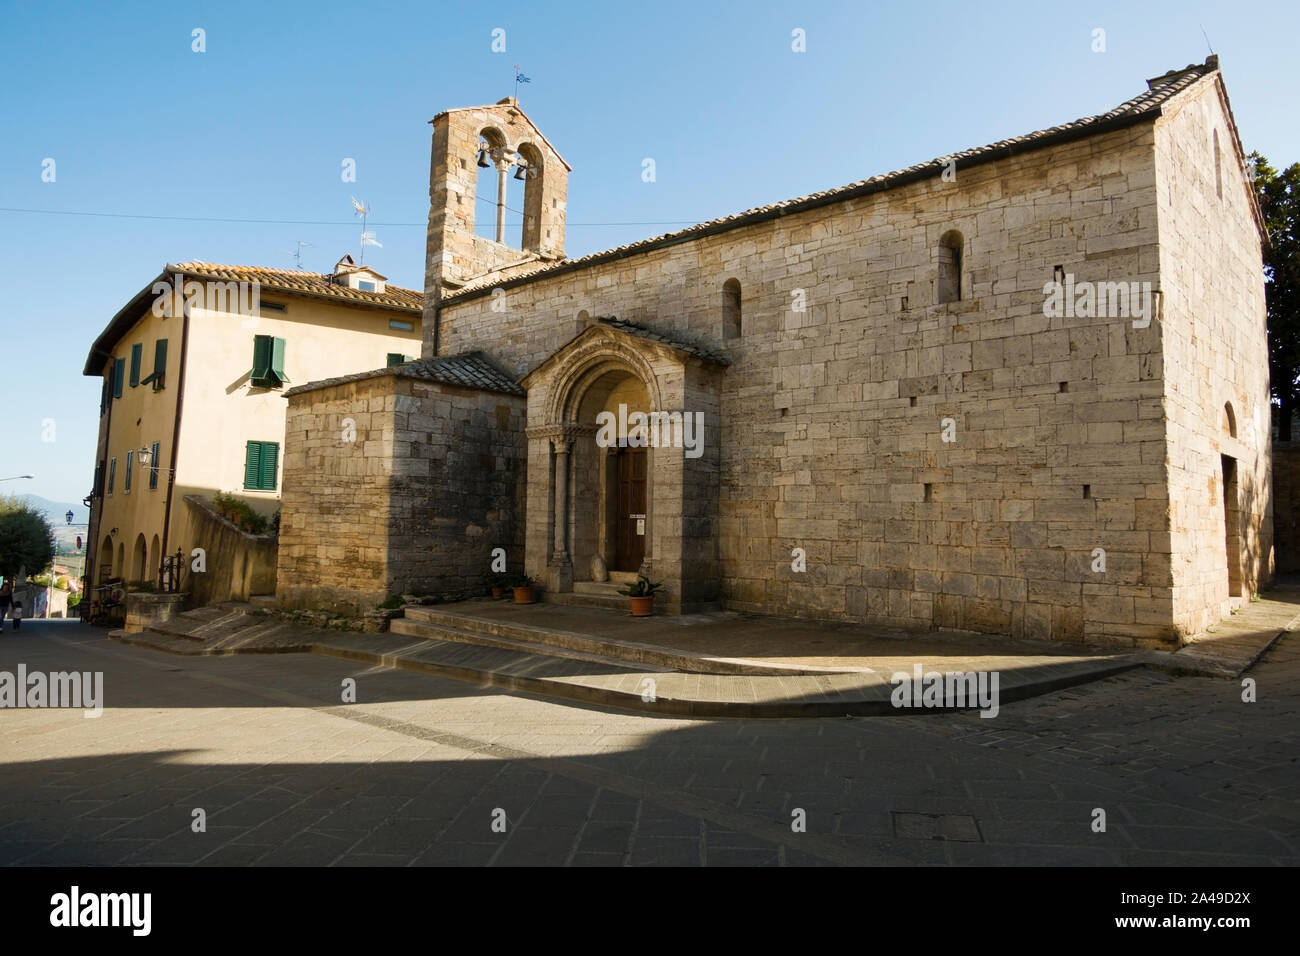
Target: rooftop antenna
297,254
1207,39
367,238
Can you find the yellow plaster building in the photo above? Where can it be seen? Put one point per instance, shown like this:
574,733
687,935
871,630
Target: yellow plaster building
194,370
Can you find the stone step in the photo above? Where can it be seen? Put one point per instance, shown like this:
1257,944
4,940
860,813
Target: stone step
605,602
606,588
265,601
623,577
442,632
456,625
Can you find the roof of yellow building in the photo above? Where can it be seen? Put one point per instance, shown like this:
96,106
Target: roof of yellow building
291,282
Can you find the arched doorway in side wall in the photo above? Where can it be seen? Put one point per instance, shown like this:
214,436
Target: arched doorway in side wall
155,558
139,557
104,566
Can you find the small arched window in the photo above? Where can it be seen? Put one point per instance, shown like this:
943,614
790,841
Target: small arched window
950,265
1218,167
730,309
1229,420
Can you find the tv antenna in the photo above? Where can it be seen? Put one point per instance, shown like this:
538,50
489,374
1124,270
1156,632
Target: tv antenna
367,237
297,254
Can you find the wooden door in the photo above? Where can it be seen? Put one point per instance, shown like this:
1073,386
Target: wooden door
630,510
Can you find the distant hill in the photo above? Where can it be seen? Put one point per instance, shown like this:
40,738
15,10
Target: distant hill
57,510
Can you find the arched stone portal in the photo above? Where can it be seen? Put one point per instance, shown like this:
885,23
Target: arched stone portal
612,472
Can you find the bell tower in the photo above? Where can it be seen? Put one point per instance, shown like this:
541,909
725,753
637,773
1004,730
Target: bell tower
467,239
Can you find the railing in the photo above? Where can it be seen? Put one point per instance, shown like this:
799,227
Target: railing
170,572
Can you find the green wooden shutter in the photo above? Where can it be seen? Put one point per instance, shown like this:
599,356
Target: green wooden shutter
252,462
153,466
137,352
270,459
261,359
112,474
277,360
395,358
119,373
159,363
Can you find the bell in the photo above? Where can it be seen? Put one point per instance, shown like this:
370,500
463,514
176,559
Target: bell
521,172
482,159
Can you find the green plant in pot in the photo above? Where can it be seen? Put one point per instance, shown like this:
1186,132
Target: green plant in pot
641,595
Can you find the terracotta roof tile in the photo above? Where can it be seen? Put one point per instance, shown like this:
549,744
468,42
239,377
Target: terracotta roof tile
471,370
307,283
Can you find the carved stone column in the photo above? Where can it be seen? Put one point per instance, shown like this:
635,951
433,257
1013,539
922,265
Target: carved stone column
560,572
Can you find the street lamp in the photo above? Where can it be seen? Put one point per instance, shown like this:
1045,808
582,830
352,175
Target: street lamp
69,516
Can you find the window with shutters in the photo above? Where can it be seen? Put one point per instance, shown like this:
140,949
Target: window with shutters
137,353
268,362
261,458
397,358
157,376
126,483
119,374
112,474
153,466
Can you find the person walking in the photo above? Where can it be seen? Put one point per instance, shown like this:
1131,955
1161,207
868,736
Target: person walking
6,599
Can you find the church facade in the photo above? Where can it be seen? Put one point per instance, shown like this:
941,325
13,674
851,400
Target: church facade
1021,389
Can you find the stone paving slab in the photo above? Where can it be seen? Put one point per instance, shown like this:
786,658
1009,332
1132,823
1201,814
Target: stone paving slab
1232,646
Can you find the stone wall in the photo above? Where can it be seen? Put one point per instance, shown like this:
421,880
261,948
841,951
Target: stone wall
237,565
830,422
411,495
1215,363
1286,506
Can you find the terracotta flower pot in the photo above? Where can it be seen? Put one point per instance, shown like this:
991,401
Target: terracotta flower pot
497,593
525,595
643,606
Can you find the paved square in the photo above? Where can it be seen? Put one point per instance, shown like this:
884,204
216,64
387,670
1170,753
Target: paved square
427,771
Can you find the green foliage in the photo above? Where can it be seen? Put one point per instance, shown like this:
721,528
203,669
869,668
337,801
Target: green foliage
1279,201
392,604
26,538
238,512
520,580
642,587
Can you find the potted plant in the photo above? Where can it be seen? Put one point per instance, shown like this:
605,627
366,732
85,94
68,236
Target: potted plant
525,589
498,590
641,595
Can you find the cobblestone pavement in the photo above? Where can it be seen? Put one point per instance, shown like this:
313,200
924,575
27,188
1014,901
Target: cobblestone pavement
416,771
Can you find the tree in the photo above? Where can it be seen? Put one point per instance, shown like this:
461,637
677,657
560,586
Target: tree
1279,201
26,538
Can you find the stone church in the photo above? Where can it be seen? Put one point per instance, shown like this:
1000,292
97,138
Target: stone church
1020,389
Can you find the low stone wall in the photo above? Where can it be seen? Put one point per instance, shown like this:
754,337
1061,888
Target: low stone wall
238,564
145,609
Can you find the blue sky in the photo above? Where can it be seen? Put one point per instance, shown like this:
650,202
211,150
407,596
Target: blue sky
256,128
